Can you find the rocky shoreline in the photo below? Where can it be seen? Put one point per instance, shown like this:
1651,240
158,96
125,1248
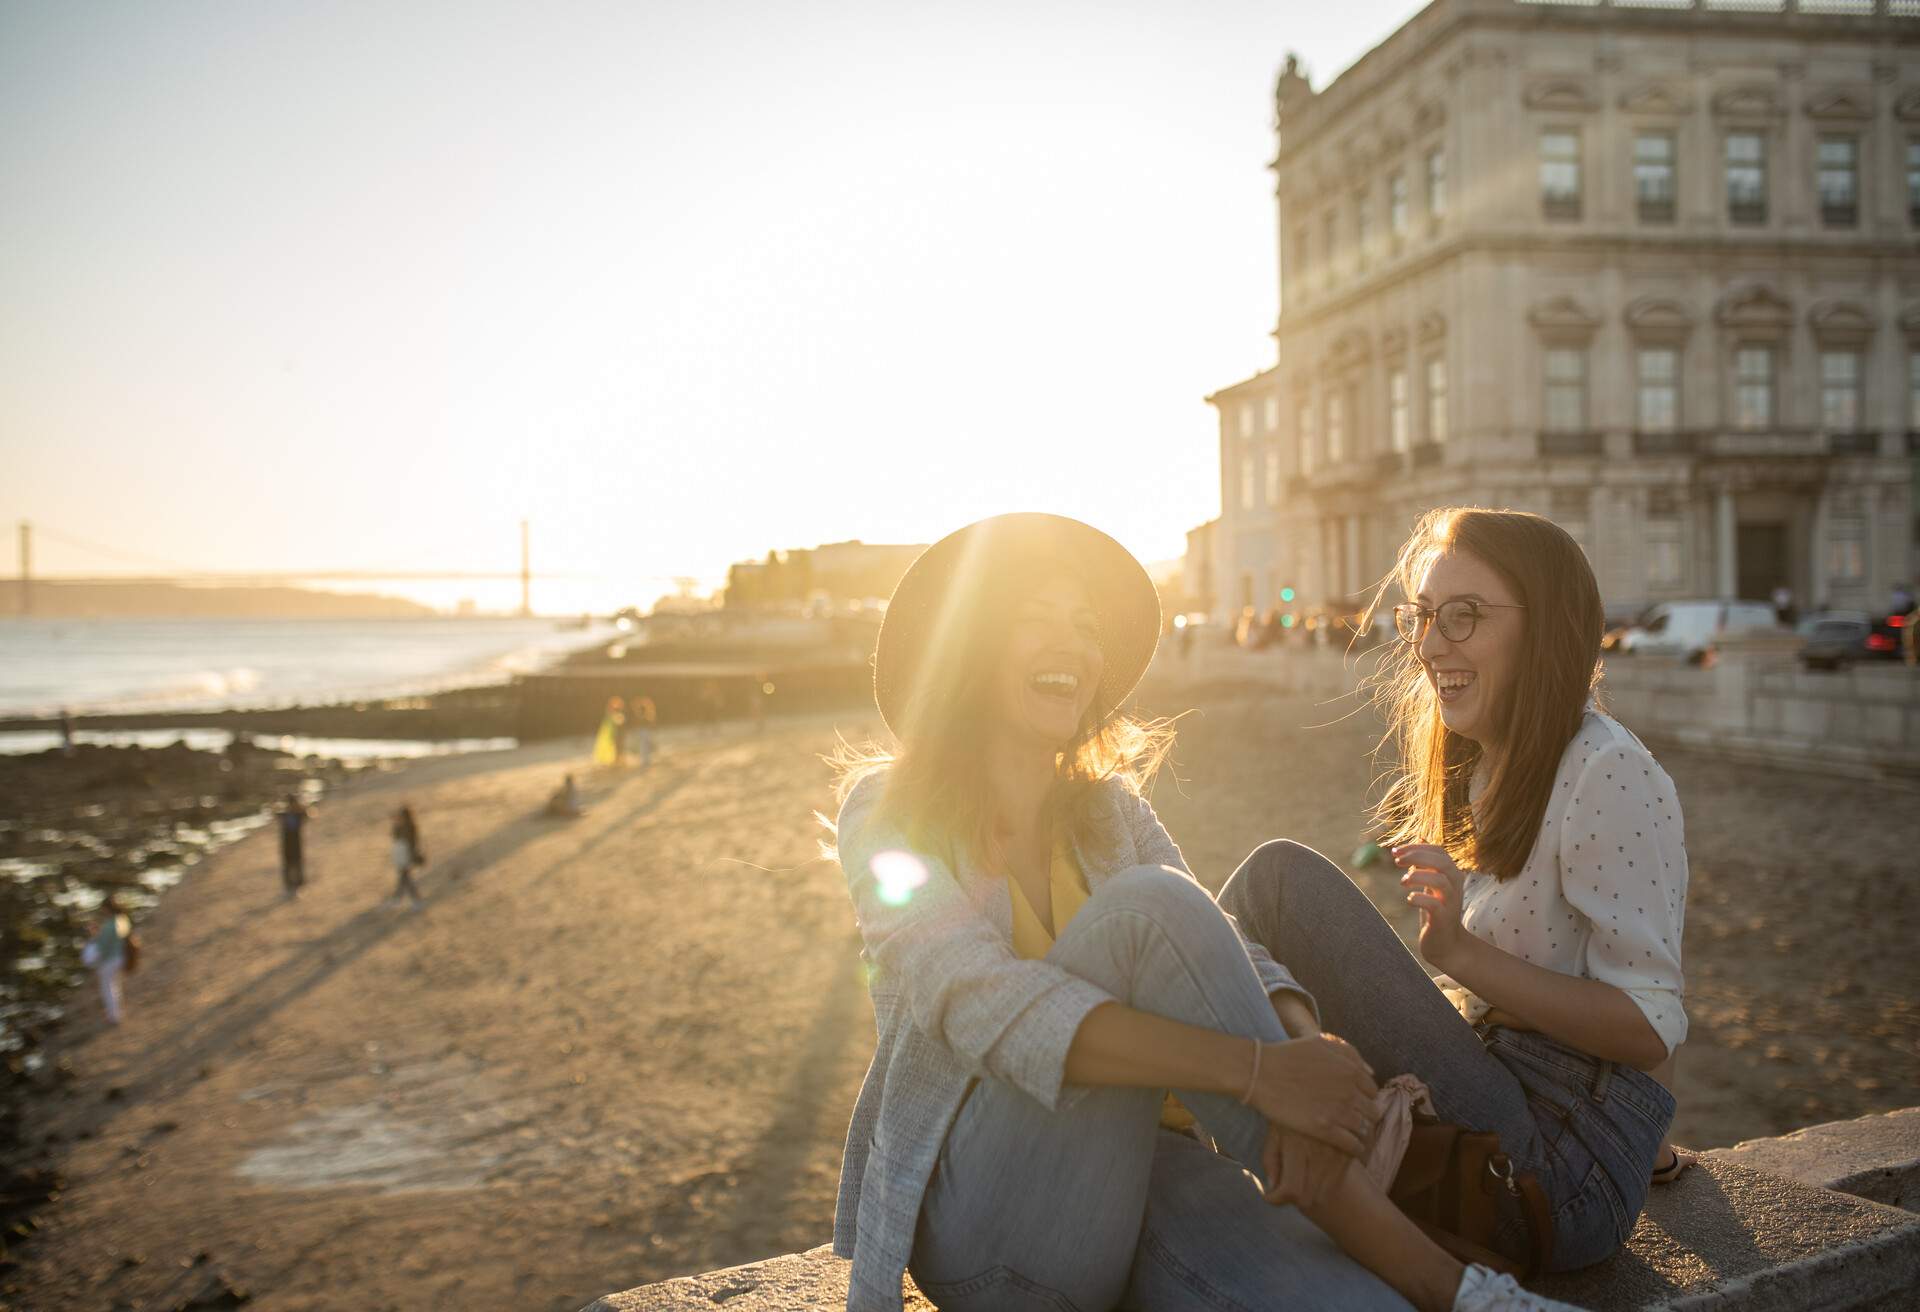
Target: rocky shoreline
124,820
77,826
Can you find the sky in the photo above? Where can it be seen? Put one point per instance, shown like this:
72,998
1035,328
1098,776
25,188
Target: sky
320,286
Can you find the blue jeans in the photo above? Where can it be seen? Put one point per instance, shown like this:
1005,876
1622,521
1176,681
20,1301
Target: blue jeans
1094,1206
1588,1128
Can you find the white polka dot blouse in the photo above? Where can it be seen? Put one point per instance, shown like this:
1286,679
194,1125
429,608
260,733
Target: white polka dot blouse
1604,893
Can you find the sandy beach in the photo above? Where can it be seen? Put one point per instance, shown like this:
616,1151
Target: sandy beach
624,1047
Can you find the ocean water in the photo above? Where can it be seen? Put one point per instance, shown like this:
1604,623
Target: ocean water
96,666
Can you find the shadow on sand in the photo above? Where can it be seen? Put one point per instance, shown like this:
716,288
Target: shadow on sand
183,1052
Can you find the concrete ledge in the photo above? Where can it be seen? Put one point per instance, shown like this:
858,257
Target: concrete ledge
797,1282
1726,1236
1874,1157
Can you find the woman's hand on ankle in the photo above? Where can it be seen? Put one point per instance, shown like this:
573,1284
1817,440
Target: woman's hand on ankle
1301,1170
1318,1087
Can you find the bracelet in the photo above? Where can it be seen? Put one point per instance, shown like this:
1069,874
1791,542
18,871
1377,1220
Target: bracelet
1253,1081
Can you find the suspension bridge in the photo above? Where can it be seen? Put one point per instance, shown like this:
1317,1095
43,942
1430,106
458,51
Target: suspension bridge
154,571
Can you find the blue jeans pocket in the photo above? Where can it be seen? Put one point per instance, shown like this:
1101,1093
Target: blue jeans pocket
1592,1225
1645,1100
996,1287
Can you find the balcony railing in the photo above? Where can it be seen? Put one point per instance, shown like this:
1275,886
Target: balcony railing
1764,442
1666,442
1859,443
1554,443
1340,475
1759,442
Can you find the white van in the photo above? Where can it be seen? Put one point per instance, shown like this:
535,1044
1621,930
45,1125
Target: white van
1690,628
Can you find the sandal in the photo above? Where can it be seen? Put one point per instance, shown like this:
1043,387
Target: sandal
1672,1169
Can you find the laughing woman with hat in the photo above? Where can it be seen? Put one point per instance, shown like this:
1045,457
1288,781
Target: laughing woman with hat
1045,970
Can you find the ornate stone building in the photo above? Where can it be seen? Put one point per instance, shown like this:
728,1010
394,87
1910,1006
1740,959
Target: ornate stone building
1651,270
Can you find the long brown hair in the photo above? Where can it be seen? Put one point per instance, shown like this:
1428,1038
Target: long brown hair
1557,670
936,790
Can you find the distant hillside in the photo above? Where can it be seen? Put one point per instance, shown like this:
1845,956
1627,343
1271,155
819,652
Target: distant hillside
140,600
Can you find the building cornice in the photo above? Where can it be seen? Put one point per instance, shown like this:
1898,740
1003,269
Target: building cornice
1659,319
1841,323
1423,37
1262,381
1881,256
1563,319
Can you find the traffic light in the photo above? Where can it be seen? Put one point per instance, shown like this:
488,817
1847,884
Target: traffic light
1286,595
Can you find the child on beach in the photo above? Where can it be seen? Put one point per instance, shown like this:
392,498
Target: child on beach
107,952
407,856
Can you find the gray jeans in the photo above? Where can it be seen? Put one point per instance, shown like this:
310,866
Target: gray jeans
1095,1206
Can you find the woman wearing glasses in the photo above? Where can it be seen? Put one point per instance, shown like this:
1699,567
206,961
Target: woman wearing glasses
1542,845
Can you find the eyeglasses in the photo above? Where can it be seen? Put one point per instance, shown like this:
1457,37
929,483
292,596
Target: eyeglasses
1455,619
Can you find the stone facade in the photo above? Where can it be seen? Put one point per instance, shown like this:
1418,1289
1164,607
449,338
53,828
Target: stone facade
1649,270
1200,569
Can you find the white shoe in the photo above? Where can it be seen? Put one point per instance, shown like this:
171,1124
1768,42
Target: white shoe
1484,1290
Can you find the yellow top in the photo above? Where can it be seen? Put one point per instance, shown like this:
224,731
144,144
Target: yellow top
1067,890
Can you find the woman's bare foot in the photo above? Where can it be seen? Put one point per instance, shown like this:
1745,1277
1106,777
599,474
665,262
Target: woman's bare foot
1670,1163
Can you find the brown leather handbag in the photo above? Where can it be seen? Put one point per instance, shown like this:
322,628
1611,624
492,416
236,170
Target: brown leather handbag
1450,1184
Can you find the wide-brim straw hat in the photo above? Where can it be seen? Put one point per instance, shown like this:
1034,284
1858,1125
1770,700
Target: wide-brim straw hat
977,566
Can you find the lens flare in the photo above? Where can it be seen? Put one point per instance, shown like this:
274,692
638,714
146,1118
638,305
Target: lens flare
898,874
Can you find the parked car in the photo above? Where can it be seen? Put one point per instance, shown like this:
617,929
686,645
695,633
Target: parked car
1884,643
1833,644
1690,629
1845,636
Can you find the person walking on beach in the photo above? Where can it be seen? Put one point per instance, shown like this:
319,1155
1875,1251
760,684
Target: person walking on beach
293,819
610,743
1044,968
645,716
66,732
108,952
408,856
